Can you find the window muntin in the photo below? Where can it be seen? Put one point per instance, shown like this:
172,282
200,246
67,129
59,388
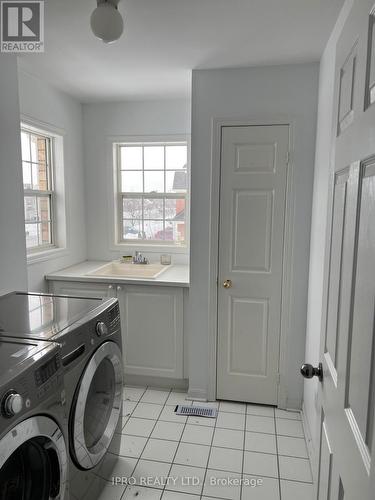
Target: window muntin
38,189
153,190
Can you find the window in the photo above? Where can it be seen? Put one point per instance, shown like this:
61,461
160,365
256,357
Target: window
153,190
38,189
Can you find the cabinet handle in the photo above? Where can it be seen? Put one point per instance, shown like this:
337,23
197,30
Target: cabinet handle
110,287
119,288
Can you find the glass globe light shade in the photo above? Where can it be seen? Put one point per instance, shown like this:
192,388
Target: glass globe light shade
106,22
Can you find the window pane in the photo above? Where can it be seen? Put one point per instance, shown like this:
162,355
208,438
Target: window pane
132,229
154,157
31,235
31,212
131,157
175,157
41,150
44,233
177,230
131,182
153,208
176,181
26,172
132,208
153,230
154,182
44,208
25,146
175,209
39,171
34,148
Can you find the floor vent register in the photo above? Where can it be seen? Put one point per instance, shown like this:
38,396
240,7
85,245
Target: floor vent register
196,411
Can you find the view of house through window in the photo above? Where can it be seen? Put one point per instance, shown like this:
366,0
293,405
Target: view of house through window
153,185
38,189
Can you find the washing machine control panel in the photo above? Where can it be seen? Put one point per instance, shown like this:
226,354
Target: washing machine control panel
47,370
27,390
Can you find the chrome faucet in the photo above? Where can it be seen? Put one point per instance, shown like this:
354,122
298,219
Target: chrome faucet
139,259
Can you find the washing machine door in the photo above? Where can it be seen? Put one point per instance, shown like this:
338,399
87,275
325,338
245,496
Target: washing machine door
33,461
98,405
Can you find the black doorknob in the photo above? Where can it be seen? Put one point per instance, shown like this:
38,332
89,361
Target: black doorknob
309,371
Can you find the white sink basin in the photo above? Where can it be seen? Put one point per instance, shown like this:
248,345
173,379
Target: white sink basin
124,270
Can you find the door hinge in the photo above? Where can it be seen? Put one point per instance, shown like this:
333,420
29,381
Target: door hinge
288,157
278,377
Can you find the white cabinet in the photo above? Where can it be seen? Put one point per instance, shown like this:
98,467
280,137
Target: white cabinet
152,330
151,324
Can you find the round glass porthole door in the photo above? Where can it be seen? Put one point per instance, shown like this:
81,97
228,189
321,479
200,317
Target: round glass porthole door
33,461
98,405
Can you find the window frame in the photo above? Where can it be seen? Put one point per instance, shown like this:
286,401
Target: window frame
37,193
120,241
61,246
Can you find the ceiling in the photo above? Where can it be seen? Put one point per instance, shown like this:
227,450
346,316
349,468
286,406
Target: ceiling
165,39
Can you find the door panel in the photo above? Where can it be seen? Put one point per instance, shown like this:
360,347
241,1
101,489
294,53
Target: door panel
347,335
252,211
326,459
361,335
252,235
339,205
248,354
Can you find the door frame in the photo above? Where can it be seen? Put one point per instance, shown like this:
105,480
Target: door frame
215,170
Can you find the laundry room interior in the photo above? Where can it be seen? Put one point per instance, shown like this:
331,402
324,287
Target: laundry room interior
187,249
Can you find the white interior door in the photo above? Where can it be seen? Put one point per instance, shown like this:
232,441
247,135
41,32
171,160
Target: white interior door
347,391
254,162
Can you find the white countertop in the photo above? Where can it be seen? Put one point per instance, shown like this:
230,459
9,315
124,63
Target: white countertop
175,275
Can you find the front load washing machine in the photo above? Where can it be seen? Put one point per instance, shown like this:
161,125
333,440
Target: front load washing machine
89,332
33,421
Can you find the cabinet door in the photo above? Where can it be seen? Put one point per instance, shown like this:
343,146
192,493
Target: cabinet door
152,330
79,289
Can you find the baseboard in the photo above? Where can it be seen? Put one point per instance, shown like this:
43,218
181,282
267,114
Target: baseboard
311,448
158,382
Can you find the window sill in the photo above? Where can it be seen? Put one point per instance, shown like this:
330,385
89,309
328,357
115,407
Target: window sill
150,248
51,253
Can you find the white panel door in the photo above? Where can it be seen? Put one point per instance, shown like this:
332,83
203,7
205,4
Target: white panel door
254,161
347,391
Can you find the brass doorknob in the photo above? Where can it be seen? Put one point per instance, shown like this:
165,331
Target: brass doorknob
227,284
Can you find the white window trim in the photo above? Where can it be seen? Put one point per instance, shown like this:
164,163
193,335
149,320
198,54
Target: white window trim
113,191
60,243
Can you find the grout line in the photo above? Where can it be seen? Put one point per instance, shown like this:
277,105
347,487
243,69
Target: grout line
243,453
174,456
128,416
147,440
209,454
277,458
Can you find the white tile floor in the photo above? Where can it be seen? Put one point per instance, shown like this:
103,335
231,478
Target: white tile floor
260,450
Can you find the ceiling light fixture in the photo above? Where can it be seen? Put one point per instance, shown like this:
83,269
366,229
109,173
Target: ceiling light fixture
106,21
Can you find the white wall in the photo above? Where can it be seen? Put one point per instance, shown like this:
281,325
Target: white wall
101,122
323,160
13,275
263,93
39,101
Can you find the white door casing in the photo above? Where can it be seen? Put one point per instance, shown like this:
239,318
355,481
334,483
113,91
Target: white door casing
347,396
254,162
